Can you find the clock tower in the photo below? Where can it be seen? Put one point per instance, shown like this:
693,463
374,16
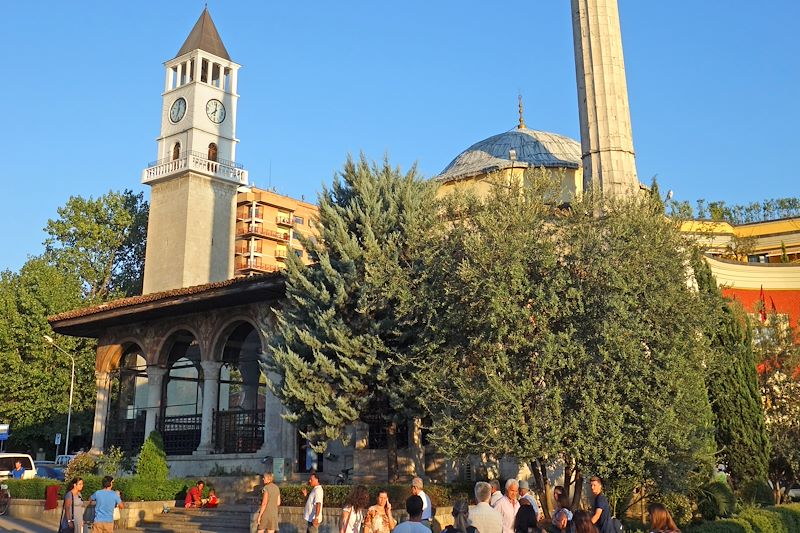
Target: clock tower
190,232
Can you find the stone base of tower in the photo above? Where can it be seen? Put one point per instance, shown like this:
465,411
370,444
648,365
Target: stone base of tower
190,232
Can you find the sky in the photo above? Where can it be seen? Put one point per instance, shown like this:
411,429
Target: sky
713,89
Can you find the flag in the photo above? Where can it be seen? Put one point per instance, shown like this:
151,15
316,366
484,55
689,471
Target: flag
762,312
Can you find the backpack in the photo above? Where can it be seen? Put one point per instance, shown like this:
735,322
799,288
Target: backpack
617,525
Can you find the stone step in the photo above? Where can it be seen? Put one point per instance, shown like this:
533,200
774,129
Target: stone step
225,519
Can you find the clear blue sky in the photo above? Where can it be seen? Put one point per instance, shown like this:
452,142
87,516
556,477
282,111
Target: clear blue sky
713,89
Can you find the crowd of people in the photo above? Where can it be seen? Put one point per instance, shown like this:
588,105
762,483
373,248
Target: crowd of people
516,510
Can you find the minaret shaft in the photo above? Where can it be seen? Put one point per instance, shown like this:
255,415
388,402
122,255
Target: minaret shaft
609,165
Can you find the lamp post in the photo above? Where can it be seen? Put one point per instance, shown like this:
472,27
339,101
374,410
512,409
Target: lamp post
512,155
52,343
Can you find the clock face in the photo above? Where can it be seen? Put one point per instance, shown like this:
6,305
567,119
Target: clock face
215,111
177,110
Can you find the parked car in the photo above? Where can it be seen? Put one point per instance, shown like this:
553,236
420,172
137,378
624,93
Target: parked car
794,492
8,462
49,470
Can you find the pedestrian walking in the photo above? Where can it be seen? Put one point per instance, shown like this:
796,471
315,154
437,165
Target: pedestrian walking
414,523
508,505
73,508
485,518
352,519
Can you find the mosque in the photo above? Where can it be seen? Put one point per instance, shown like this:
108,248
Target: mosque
182,358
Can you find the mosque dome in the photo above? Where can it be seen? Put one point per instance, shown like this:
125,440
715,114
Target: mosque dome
533,149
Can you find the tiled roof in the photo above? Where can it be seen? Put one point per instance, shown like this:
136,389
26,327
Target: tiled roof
204,36
534,149
157,296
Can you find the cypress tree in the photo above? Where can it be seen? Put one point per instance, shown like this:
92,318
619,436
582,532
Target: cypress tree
732,384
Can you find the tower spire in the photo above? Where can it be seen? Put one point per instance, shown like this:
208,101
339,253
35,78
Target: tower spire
521,118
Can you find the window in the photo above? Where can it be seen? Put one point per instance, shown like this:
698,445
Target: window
212,152
176,151
760,258
298,252
299,220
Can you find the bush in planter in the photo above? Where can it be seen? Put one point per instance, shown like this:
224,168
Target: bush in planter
83,464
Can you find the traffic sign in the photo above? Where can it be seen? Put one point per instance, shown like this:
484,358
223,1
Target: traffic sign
58,439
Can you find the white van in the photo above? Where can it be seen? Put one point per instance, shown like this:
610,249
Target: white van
8,462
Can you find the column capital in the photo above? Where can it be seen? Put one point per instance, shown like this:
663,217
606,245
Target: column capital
211,369
156,372
102,376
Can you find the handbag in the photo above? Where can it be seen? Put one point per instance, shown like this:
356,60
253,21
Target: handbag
65,528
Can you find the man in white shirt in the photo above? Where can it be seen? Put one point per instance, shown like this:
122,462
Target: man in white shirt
496,492
414,523
525,492
312,513
427,507
482,516
508,505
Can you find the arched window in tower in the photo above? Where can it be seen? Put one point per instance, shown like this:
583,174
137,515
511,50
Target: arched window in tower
212,152
176,151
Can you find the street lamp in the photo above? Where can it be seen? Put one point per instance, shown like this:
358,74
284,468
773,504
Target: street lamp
52,343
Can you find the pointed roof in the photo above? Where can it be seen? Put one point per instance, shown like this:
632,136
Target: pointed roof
204,36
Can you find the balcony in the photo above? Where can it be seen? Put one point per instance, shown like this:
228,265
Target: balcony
196,162
281,254
284,221
253,264
249,214
258,230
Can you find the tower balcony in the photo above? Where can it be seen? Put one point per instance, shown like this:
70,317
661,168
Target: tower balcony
196,162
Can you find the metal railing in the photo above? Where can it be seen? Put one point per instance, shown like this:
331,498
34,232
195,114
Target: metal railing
127,434
181,433
243,228
239,431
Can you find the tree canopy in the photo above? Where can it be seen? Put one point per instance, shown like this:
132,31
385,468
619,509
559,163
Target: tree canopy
102,241
340,331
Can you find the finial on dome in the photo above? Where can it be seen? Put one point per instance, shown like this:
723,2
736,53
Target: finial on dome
521,118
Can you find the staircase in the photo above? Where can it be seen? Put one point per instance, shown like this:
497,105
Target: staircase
223,519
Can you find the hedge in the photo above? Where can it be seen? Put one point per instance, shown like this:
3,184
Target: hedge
336,495
136,489
777,519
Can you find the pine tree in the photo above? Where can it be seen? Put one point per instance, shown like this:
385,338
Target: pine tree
732,384
341,332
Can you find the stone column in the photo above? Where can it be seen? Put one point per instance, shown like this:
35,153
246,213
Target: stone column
210,402
155,386
103,384
609,165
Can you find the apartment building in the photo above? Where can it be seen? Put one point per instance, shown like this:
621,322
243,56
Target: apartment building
269,227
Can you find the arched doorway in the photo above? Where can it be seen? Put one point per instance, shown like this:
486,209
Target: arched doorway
212,152
176,151
128,403
182,399
239,418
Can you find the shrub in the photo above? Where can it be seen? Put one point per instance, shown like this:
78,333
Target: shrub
152,462
757,492
83,464
763,522
679,506
726,525
716,500
790,515
110,462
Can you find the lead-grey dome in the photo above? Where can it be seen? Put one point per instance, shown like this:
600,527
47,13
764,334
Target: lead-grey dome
534,149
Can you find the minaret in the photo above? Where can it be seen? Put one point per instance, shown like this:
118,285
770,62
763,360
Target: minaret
190,231
609,164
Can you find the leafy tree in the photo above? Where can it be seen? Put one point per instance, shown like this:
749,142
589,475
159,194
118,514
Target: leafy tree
566,335
36,377
151,464
341,336
102,241
733,385
779,380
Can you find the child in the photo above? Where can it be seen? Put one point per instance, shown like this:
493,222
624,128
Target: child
213,501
